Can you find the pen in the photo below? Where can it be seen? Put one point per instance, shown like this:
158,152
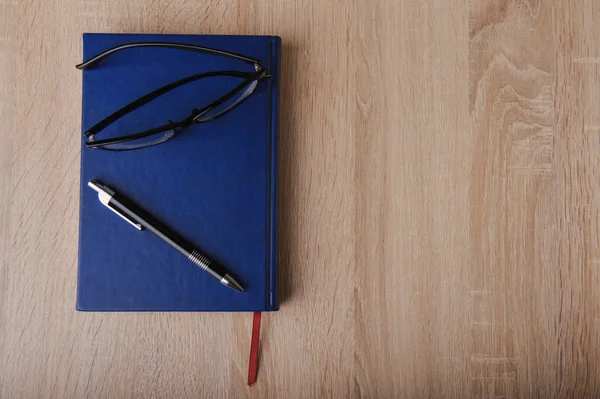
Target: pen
140,219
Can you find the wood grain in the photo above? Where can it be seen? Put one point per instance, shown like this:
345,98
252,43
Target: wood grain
439,192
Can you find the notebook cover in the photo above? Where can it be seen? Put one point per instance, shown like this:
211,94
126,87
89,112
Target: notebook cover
215,183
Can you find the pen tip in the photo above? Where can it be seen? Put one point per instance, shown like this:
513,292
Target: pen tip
237,288
231,283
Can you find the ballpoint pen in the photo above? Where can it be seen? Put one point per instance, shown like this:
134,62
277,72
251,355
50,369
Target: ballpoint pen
141,219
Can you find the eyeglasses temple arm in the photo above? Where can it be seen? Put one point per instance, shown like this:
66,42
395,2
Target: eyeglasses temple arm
188,47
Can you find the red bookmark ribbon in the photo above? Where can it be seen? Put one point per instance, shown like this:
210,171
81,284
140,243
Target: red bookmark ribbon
253,364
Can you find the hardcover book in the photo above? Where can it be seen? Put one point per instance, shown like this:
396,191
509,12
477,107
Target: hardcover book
214,183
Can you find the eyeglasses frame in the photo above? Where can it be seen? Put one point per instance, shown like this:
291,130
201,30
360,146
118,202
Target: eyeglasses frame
195,116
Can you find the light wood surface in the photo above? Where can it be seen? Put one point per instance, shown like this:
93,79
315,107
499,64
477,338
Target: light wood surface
439,198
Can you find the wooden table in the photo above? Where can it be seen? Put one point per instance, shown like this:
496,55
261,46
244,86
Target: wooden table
439,197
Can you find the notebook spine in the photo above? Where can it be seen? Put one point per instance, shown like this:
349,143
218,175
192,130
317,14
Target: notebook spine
274,61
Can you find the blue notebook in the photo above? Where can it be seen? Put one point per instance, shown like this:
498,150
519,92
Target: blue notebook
214,184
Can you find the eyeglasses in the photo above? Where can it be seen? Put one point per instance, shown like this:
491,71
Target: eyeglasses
223,104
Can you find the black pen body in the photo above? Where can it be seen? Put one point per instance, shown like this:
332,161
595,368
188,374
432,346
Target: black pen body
140,219
183,246
150,223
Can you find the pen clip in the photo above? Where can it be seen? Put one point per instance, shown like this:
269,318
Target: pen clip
124,217
105,197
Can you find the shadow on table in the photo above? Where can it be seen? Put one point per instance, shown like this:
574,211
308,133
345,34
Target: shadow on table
289,114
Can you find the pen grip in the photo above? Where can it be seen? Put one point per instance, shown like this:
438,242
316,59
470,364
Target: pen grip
150,223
